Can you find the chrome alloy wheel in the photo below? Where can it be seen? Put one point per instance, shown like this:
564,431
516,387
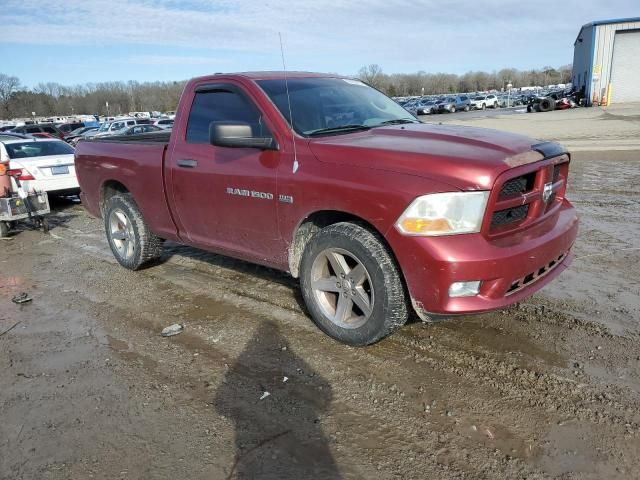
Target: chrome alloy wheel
342,288
121,232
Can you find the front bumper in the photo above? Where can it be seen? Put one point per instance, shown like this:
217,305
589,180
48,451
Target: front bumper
510,268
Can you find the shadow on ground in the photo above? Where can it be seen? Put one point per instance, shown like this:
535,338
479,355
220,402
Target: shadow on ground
279,436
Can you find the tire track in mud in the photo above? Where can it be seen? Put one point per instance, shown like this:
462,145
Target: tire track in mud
395,429
453,365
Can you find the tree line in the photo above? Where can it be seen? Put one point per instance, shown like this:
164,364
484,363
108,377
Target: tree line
423,83
47,99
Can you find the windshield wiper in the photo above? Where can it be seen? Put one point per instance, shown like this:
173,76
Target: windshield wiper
338,129
397,121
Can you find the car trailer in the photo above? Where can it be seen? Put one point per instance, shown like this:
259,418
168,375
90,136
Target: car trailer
33,207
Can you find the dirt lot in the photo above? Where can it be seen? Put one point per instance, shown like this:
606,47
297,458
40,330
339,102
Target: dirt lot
546,389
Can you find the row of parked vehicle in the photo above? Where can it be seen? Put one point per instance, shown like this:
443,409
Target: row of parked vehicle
428,105
41,155
73,132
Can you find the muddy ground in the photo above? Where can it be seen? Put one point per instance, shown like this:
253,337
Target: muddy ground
89,389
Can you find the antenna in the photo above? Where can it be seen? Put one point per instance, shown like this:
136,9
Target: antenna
286,87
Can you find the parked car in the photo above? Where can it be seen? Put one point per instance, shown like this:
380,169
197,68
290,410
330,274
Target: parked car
164,122
138,129
479,102
44,164
426,108
40,127
13,136
454,104
7,128
73,137
492,101
42,135
67,128
376,213
110,128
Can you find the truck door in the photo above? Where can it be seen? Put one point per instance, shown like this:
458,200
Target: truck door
224,198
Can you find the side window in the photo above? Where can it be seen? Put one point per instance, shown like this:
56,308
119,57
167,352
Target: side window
32,129
49,130
130,123
221,106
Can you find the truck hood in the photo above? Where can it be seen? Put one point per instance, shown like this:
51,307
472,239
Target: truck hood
467,158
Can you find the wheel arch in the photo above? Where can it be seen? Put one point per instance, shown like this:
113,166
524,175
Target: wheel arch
320,219
108,189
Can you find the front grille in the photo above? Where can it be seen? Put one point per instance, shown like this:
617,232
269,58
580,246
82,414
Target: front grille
519,200
518,185
509,215
536,275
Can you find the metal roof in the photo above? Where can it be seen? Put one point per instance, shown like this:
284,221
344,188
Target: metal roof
595,23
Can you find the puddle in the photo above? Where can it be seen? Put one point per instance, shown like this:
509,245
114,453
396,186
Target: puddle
569,450
621,378
486,432
480,333
122,348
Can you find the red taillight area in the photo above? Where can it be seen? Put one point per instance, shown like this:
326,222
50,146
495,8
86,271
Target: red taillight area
21,174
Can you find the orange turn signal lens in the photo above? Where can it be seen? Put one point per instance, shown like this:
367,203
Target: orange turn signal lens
424,225
3,169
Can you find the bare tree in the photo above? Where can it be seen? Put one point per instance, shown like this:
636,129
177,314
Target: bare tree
8,86
50,98
372,74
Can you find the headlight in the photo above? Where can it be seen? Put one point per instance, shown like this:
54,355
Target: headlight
448,213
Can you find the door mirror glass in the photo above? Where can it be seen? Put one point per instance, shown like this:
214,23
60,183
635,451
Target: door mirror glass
238,135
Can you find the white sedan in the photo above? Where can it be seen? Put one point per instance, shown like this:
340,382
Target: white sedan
46,164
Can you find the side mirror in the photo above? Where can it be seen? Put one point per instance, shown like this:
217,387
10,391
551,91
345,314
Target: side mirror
238,135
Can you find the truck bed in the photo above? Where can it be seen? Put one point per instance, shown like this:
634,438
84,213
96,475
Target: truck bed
133,163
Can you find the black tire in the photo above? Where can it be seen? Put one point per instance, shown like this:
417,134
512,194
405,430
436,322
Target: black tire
44,223
546,105
467,108
4,229
146,246
484,106
389,309
529,108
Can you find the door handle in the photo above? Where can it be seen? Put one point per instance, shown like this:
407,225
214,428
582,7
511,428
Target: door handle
187,163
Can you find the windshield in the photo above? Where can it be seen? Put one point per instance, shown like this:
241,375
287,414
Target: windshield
479,98
37,149
330,103
104,127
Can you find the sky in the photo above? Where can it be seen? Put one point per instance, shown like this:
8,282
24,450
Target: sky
80,41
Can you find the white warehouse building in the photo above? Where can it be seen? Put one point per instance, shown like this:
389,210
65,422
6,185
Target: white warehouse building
606,61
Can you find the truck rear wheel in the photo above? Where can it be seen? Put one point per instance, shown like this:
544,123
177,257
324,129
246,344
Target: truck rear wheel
130,239
351,285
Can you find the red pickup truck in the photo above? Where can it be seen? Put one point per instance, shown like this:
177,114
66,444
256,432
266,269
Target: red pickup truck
328,179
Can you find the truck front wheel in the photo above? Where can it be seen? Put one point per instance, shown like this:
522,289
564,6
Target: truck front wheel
130,239
351,285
